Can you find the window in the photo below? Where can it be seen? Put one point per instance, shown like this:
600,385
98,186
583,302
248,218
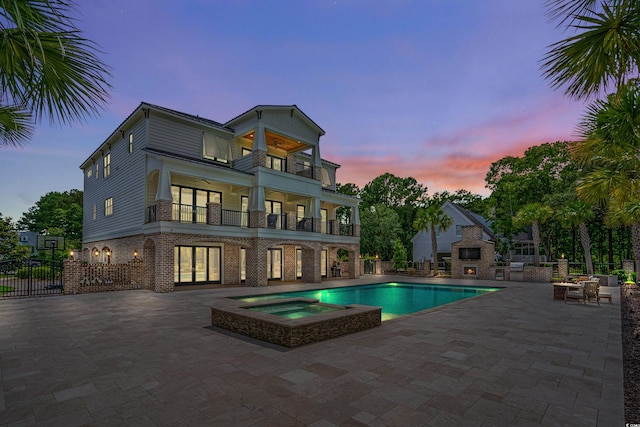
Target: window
458,230
276,163
107,164
95,211
89,173
274,264
130,142
244,208
97,170
108,207
246,151
216,148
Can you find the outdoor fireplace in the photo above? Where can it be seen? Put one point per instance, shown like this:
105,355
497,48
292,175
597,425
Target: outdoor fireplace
470,270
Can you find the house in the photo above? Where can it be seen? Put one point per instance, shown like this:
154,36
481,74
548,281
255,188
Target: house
201,202
30,239
422,250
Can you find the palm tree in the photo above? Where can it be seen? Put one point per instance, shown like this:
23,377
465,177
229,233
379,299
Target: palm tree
533,214
604,52
46,68
432,218
576,214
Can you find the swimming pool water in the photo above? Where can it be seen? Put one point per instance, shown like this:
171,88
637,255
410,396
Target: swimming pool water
396,299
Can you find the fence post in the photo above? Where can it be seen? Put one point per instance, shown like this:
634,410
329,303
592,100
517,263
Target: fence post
72,275
563,269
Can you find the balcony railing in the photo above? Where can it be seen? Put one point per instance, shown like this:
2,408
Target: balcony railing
277,221
346,229
235,218
305,224
189,213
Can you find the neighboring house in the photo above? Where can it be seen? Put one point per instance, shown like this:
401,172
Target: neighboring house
29,238
201,202
422,250
523,249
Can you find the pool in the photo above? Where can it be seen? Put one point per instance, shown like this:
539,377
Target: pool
396,299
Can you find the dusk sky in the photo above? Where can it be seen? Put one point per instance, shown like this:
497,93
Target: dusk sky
433,89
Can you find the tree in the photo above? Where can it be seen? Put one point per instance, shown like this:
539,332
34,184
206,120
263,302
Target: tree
379,230
516,181
576,213
56,211
610,140
604,52
533,214
47,69
403,195
10,247
432,218
343,213
399,256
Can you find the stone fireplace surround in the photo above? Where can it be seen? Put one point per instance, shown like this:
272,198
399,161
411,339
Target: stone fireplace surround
463,269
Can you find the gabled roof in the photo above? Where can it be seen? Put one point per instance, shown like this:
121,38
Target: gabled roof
475,218
292,108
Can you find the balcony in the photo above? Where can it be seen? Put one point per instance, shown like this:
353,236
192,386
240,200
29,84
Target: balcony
234,218
228,217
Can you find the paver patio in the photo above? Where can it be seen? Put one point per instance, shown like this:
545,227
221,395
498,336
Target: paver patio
513,357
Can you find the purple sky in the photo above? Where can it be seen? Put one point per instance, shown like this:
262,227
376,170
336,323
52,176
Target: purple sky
434,89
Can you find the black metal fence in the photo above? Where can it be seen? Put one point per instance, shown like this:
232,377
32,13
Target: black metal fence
31,277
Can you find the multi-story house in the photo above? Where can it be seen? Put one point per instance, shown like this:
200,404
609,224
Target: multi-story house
200,202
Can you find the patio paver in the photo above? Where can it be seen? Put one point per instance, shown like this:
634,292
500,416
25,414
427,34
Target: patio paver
513,357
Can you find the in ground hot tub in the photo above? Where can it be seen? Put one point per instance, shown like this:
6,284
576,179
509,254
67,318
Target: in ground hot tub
292,322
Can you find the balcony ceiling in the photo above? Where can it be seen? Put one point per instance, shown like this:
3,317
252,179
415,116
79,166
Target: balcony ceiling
279,142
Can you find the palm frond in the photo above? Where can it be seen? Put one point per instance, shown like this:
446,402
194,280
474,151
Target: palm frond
16,126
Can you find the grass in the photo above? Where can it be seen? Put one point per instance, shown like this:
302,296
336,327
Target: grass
5,289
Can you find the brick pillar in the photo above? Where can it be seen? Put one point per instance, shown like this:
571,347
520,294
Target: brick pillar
257,264
73,274
257,219
214,213
163,210
356,230
136,272
231,264
563,269
292,221
164,280
259,158
311,266
354,265
289,261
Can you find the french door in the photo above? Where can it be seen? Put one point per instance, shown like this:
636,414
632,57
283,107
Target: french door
196,265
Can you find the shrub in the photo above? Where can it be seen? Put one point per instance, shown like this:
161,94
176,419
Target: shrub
622,275
42,272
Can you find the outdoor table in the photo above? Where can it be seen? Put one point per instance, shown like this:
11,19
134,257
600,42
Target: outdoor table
559,289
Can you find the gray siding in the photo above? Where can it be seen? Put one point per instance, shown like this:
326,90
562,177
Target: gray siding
178,136
126,185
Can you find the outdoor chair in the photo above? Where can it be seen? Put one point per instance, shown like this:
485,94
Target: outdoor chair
605,294
591,291
575,294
